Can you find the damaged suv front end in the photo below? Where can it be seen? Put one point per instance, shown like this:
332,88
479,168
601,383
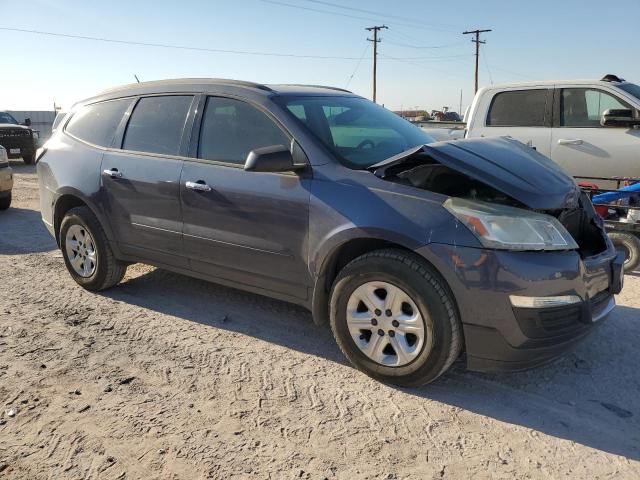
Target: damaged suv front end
530,264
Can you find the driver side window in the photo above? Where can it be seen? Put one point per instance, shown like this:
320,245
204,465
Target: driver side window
583,107
232,128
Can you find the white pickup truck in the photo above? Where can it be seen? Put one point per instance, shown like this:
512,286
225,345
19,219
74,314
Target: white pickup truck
589,127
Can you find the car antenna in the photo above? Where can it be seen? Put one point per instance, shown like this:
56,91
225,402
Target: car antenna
137,79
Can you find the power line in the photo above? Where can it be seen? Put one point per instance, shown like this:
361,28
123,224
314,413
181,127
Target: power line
375,41
179,47
425,46
381,14
364,52
419,26
477,41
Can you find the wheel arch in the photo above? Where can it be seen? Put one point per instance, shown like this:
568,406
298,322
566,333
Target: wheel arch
338,255
71,198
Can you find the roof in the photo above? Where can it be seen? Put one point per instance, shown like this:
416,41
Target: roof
204,83
556,82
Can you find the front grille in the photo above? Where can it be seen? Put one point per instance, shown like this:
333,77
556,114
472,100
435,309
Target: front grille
6,133
16,138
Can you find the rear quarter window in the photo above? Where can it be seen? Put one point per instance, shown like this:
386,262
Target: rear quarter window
97,123
518,108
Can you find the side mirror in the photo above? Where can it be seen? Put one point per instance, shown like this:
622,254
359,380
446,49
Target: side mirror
27,122
619,117
276,158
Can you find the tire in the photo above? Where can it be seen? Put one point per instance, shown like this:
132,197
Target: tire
425,289
107,271
630,245
5,202
29,159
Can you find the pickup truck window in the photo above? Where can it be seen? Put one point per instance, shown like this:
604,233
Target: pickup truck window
8,119
631,88
518,108
583,107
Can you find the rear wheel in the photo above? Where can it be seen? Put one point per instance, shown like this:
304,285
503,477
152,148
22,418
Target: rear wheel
629,245
5,202
86,251
394,318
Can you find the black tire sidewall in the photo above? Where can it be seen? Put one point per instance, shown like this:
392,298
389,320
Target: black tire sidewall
82,216
429,364
632,244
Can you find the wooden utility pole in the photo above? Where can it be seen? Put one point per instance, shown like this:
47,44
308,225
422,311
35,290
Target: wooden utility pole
477,41
375,52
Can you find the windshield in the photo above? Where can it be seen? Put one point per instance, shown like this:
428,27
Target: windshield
359,132
631,88
6,118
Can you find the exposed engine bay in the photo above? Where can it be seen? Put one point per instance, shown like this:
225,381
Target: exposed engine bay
422,171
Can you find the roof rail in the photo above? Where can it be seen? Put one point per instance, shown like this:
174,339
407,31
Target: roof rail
317,86
612,78
221,81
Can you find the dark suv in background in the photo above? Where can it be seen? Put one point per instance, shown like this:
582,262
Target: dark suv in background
18,140
414,251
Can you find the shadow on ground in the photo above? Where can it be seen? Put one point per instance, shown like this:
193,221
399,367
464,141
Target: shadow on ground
22,231
589,397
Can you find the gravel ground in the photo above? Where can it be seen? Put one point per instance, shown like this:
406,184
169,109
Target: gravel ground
170,377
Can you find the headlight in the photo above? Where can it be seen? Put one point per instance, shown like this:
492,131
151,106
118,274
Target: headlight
509,228
4,158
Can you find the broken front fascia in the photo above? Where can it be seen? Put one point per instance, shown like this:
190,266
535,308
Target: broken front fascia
507,194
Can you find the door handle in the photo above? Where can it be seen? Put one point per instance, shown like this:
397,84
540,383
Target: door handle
113,173
564,141
199,186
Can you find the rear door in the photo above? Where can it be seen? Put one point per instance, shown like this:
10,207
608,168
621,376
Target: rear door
523,114
141,178
586,149
247,227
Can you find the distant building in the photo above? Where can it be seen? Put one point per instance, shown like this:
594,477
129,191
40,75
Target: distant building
40,121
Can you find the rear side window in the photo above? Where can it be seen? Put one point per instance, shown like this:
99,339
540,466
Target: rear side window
156,124
520,108
232,128
97,123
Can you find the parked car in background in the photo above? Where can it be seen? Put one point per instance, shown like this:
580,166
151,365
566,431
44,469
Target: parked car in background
413,250
6,180
588,127
18,140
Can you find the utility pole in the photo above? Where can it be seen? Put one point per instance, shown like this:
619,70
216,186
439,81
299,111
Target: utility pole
477,41
375,53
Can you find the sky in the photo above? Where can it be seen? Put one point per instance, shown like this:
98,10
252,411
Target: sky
424,60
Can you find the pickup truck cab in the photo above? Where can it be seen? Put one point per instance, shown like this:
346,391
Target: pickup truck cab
588,127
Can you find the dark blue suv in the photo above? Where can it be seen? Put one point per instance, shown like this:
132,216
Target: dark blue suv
415,251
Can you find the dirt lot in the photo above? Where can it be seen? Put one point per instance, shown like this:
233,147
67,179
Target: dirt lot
170,377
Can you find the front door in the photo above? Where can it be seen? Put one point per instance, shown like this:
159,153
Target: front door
586,149
247,227
141,180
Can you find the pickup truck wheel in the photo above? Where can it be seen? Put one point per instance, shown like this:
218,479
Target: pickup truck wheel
629,245
5,202
29,159
394,318
86,251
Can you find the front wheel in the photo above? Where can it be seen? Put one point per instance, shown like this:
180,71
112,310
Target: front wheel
29,159
394,318
86,251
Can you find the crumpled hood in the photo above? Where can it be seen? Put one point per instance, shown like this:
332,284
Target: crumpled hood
502,163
